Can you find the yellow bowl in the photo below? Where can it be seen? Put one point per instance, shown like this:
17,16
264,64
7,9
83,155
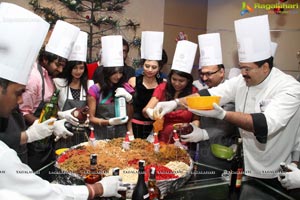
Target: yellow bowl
60,151
202,102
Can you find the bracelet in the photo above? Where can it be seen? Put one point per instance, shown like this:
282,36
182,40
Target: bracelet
98,190
91,191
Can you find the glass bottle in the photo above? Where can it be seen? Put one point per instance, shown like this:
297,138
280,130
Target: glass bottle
140,191
120,107
154,191
50,109
116,172
236,173
93,175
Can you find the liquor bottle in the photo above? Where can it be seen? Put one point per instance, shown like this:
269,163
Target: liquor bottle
237,168
140,191
154,191
116,172
120,107
93,175
50,109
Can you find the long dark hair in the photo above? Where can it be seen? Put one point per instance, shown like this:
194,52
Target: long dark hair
170,91
68,73
102,78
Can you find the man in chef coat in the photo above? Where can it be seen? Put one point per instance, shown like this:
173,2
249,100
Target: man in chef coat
25,45
266,99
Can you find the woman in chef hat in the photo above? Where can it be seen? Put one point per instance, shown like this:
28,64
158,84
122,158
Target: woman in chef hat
179,84
109,84
144,84
73,87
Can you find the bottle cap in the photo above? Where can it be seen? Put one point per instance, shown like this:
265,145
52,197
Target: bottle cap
155,139
92,134
175,135
141,163
127,137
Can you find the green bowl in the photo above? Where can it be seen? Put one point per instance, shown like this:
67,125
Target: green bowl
221,151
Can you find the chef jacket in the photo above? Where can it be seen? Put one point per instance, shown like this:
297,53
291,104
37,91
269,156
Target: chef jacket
18,177
274,106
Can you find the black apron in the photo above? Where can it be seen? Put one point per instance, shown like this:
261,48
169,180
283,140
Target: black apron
107,111
41,152
11,135
220,132
78,136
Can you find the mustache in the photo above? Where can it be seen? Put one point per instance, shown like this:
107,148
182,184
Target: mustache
245,76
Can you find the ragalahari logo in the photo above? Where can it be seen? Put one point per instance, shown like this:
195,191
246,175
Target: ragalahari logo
245,8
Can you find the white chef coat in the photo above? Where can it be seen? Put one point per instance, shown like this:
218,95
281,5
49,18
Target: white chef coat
18,177
61,84
278,98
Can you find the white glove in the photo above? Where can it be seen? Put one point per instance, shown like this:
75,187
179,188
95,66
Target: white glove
197,135
38,131
122,92
150,113
218,112
60,130
117,120
165,107
68,116
290,180
111,186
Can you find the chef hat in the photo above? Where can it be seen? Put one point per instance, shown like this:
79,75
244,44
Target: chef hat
79,49
184,56
253,38
22,34
210,49
151,45
62,39
273,48
112,51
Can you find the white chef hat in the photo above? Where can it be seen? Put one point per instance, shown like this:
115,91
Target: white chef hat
210,49
112,51
62,39
152,45
79,50
184,56
253,38
274,46
22,34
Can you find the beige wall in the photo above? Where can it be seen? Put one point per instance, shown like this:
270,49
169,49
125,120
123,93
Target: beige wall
285,30
188,16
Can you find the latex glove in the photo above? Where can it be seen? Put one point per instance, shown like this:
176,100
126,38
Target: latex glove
38,131
60,130
218,112
197,135
68,116
165,107
117,120
122,92
111,185
290,180
150,113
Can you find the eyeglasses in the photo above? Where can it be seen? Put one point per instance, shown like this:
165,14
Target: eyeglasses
208,74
